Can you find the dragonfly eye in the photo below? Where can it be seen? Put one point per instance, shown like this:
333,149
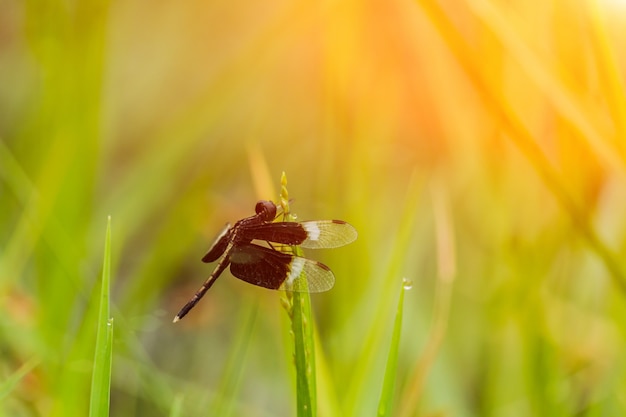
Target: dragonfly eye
267,209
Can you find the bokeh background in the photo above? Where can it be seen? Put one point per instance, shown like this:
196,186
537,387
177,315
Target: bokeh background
478,147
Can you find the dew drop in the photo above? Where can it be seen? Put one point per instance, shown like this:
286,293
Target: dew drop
407,283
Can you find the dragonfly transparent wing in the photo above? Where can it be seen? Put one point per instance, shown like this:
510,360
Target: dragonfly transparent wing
327,234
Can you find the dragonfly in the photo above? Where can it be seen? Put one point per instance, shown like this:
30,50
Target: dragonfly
266,266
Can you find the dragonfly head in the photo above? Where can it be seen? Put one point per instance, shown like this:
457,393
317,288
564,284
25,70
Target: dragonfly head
266,210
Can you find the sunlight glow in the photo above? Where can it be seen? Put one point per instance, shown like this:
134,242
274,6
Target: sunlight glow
615,4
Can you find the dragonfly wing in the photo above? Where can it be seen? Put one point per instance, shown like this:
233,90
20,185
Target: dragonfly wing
219,245
286,233
276,270
311,234
327,234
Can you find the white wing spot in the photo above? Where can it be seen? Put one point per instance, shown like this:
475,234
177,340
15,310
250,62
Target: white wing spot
313,230
297,264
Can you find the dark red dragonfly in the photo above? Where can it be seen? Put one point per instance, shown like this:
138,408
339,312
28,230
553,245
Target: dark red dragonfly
270,268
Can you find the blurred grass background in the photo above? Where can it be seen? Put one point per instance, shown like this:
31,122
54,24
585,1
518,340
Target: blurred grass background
478,148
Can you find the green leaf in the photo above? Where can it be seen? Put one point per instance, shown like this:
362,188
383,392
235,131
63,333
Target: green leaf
386,397
101,377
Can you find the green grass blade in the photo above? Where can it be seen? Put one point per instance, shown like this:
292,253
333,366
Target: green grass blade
327,399
101,378
446,272
177,406
302,327
225,399
361,382
386,397
7,386
304,355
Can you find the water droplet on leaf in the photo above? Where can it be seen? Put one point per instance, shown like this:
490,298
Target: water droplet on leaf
407,283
